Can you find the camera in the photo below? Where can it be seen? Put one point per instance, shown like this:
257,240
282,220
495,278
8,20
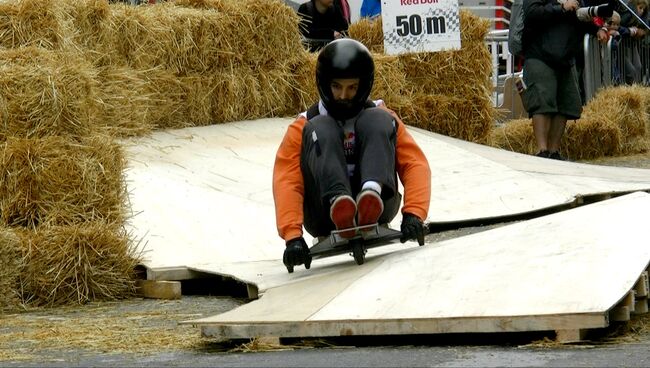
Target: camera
586,14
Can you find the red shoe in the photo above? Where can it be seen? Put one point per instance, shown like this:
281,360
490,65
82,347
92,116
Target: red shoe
370,207
342,212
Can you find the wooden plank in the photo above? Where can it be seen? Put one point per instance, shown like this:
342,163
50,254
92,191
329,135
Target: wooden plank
641,287
627,301
251,290
620,314
570,336
641,306
404,327
171,274
159,289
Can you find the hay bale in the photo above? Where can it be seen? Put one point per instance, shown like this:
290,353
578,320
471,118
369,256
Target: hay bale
60,181
46,93
166,98
220,5
197,99
180,39
623,106
126,102
87,26
202,36
368,32
584,139
472,27
37,23
587,139
76,264
271,35
470,118
266,31
276,92
515,135
390,82
463,72
10,267
239,95
305,92
222,96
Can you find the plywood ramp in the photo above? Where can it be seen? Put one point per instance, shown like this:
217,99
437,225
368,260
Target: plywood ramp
563,272
201,197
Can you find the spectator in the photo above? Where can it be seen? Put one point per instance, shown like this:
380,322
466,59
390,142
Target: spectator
321,22
632,31
346,147
552,37
345,9
613,24
370,9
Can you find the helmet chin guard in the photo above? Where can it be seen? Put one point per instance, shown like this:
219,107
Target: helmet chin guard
344,58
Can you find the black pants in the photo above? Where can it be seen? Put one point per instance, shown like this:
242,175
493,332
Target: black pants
325,172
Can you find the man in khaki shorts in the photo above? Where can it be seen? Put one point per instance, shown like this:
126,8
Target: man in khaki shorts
552,37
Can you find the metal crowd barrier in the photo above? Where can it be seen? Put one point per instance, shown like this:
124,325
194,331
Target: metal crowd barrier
597,70
502,61
623,61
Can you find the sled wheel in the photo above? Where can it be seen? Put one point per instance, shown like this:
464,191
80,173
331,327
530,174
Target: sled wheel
358,252
308,262
290,269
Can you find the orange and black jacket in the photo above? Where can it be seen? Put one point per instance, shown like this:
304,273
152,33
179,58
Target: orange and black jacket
288,187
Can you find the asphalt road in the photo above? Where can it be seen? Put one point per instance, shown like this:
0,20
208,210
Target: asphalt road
490,350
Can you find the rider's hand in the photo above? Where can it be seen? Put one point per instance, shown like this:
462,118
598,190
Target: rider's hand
411,228
296,252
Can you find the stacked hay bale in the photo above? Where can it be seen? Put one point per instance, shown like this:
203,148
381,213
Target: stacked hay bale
615,122
59,173
190,62
447,92
76,74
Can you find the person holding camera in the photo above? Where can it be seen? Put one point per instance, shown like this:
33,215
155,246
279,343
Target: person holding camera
551,40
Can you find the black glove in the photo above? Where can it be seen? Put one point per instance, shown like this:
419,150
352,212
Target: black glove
412,228
296,253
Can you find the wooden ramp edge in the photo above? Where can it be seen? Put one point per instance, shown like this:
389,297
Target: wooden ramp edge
569,272
180,273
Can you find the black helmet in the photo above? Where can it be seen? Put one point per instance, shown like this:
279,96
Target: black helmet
344,58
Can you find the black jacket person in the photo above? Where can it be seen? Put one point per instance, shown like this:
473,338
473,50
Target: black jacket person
321,22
